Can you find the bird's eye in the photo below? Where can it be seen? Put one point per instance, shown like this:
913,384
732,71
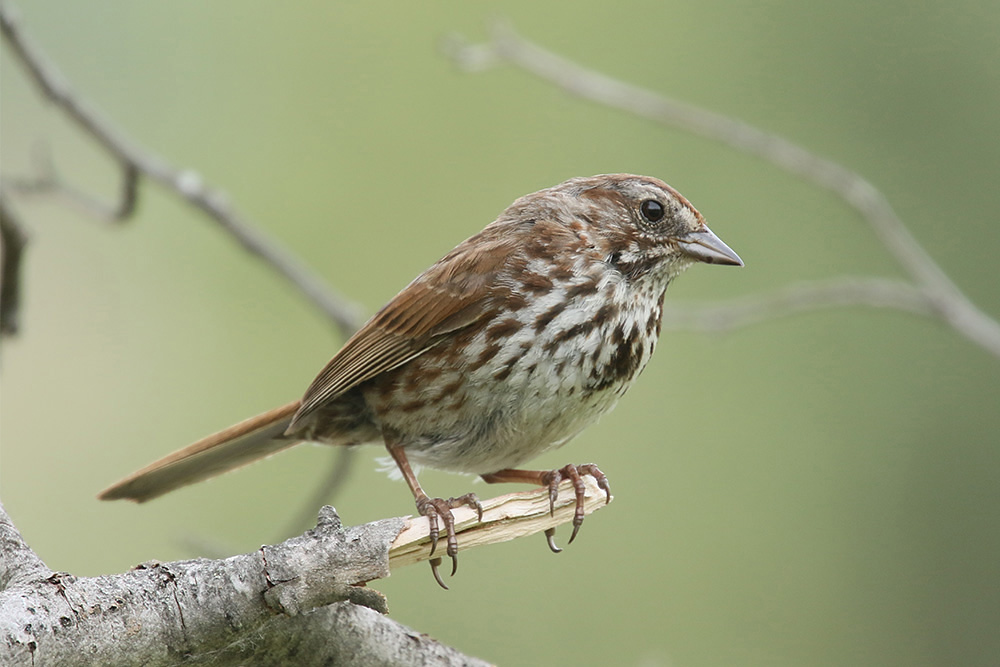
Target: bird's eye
652,210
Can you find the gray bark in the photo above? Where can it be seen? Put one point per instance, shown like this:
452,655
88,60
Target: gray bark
299,602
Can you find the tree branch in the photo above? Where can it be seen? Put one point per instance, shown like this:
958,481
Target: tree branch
943,299
134,161
263,607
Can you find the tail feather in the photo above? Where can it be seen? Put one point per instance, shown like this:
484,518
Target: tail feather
236,446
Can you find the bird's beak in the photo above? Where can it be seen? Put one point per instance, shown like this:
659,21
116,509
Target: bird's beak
705,246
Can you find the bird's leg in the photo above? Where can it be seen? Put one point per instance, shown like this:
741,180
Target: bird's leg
433,508
551,479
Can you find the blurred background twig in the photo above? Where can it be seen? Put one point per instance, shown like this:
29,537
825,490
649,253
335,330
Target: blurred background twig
135,161
934,293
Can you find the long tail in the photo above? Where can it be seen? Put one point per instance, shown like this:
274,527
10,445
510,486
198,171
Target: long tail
231,448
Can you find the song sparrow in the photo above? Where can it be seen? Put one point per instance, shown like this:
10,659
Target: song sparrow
508,346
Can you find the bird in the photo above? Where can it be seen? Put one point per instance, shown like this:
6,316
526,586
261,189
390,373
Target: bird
507,347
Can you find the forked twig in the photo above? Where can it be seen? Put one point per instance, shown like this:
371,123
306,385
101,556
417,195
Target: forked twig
933,292
135,161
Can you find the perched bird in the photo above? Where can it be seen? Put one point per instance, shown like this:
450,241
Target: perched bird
506,347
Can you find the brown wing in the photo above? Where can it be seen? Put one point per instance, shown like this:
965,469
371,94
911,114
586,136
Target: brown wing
452,294
458,291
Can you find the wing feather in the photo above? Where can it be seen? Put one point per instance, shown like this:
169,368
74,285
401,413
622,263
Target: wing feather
455,293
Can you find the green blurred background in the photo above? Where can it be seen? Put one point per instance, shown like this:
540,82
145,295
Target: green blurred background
818,490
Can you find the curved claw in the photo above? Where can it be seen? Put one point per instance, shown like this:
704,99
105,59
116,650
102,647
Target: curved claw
435,509
575,474
602,479
435,562
550,537
576,529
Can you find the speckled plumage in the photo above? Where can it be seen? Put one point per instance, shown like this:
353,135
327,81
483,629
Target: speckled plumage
508,346
518,338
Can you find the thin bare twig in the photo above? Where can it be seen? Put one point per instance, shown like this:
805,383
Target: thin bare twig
49,183
187,184
943,299
12,243
795,299
505,518
135,162
341,464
